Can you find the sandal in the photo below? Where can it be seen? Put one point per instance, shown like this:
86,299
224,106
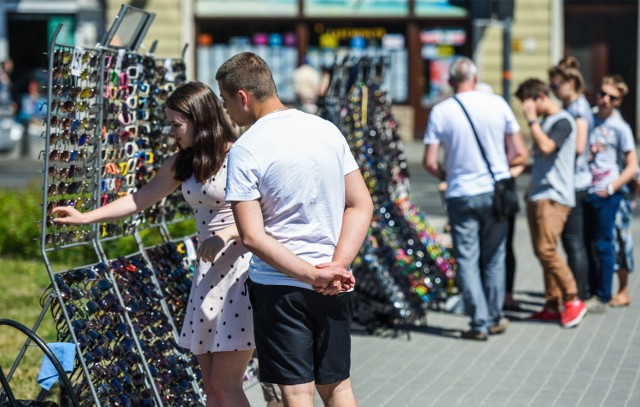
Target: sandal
616,303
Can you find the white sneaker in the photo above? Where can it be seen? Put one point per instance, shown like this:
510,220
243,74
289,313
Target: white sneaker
595,306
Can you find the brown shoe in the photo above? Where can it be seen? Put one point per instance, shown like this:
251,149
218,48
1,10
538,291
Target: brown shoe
500,327
474,335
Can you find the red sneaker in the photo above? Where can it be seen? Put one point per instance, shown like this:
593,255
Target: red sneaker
573,313
546,315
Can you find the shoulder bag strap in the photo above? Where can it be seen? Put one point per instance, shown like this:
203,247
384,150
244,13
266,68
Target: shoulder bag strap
475,133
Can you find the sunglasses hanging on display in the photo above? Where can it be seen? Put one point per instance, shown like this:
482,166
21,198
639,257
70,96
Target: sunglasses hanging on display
401,269
106,135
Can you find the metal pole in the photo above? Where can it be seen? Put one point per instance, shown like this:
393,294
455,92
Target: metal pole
506,60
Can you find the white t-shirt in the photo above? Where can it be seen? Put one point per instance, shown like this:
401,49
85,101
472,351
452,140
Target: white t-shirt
294,163
467,173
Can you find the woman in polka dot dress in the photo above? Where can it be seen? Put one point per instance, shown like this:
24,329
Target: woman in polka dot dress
218,326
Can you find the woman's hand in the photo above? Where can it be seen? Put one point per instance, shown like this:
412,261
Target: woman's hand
209,248
68,215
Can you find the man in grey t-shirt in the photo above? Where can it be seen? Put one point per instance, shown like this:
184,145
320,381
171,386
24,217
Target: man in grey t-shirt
551,197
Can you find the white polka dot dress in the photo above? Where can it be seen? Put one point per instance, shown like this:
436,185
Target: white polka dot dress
219,315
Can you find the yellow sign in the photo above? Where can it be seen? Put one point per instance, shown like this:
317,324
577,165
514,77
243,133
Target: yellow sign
445,51
347,33
328,41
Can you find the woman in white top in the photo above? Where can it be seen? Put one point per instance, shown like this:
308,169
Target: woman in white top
218,327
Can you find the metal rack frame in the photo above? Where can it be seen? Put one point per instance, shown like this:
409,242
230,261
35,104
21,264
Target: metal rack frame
94,241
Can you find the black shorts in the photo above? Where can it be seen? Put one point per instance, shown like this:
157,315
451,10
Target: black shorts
301,336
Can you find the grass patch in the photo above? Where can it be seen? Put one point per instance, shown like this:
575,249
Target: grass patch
21,285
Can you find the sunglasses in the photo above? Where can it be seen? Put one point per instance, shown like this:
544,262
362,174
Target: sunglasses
602,94
74,91
70,106
62,238
110,230
69,136
66,187
78,203
61,56
71,172
555,85
61,155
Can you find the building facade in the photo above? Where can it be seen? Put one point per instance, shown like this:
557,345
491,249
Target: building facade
420,37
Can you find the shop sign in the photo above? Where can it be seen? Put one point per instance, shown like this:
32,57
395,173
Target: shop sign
346,33
393,41
440,46
328,41
356,8
438,8
454,37
255,8
437,51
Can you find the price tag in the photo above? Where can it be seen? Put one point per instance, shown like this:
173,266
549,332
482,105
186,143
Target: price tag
76,61
169,76
118,67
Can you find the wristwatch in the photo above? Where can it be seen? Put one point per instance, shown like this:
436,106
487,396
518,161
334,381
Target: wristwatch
610,190
531,122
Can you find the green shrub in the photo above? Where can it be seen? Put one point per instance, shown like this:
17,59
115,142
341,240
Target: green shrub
20,210
21,214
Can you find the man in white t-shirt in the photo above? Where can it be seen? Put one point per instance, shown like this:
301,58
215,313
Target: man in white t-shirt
478,238
303,209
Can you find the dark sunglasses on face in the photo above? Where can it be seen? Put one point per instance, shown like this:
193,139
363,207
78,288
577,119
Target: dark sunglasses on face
555,85
602,94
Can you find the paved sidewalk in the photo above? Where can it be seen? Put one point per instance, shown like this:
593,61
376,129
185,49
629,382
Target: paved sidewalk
532,364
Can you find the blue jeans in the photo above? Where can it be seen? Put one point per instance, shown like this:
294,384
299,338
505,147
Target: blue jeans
599,230
479,249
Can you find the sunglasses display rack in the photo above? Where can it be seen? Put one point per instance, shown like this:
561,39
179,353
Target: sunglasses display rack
106,135
117,314
401,268
110,141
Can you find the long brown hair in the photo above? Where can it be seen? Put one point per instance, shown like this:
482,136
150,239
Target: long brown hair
212,131
569,69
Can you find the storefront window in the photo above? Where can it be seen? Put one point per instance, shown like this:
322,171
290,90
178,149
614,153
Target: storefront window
278,48
331,43
352,8
440,46
254,8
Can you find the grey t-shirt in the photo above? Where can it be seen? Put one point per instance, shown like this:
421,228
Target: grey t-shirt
552,176
610,139
580,108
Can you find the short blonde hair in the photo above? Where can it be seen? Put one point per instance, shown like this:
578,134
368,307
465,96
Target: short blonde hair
618,82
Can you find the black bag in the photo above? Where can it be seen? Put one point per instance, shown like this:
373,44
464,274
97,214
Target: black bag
505,197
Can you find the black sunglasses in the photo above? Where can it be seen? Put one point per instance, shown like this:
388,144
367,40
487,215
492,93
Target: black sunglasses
612,98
